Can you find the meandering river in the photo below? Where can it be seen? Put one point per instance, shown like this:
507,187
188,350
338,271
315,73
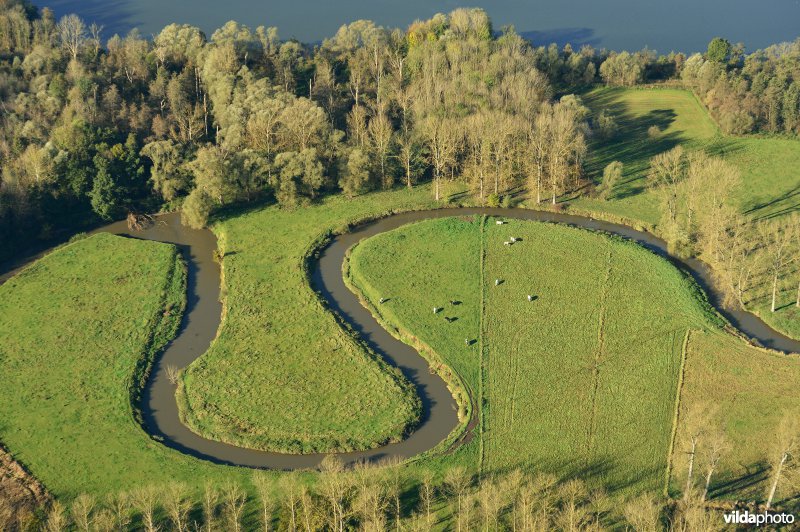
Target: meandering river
202,319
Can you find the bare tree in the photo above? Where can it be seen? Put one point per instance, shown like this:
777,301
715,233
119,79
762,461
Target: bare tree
573,514
210,504
82,508
145,500
104,521
178,505
371,499
785,454
57,520
394,488
308,507
490,499
776,241
667,171
382,136
233,500
72,32
697,422
265,490
458,481
289,489
443,138
736,262
334,485
427,497
120,504
643,514
714,450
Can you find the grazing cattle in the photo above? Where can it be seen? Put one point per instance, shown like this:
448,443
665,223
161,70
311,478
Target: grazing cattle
497,282
530,298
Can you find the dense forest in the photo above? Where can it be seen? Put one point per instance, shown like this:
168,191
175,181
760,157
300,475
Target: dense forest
94,129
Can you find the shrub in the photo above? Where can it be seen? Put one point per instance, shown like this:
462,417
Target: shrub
605,125
611,176
493,200
653,131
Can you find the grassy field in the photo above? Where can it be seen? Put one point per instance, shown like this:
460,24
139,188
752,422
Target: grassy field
76,327
564,388
681,119
770,177
308,385
751,390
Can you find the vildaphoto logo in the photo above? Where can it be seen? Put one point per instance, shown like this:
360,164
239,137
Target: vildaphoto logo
746,517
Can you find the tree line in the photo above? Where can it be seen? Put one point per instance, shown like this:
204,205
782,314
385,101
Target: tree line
93,129
390,496
750,259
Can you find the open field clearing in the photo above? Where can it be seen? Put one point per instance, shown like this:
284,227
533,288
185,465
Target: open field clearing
581,380
770,179
681,119
77,328
283,375
770,184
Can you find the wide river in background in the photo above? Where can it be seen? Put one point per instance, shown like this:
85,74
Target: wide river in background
680,25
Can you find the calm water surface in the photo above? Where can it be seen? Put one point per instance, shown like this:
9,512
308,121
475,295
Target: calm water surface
681,25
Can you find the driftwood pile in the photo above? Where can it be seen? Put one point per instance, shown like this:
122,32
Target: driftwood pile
139,222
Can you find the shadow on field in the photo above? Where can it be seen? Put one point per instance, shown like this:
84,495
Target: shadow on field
632,144
596,473
749,484
791,197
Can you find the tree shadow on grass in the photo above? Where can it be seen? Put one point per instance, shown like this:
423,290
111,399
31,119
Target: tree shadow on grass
741,486
786,203
632,144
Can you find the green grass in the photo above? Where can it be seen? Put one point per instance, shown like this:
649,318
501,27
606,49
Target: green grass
770,168
679,116
565,388
283,375
752,390
77,330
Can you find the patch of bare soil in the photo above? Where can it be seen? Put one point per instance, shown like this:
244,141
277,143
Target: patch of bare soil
20,494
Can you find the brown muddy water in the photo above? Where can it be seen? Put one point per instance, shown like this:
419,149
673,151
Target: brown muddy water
203,314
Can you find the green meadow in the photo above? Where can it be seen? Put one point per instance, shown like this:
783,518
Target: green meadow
584,379
79,326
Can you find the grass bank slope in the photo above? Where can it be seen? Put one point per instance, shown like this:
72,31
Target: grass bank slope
77,330
283,375
583,379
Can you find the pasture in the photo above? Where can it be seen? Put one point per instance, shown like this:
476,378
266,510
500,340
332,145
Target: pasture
582,380
770,184
770,180
78,328
282,374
